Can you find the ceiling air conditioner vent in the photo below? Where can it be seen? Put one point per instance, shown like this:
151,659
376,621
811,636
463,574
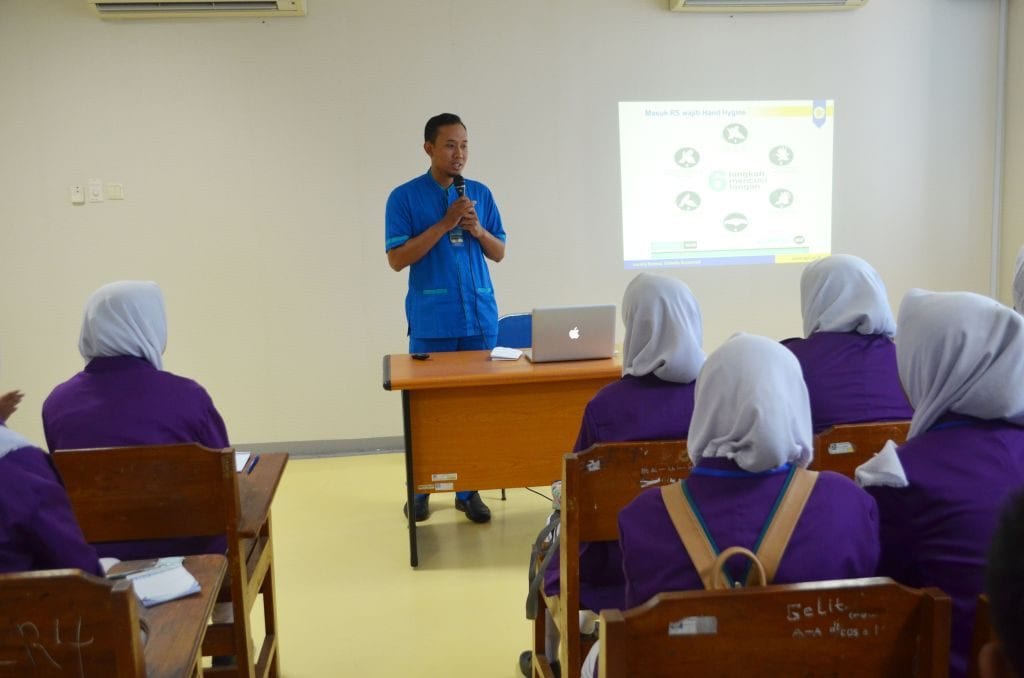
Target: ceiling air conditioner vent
174,9
762,5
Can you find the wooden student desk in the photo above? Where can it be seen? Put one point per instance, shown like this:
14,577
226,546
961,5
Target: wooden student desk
256,491
472,423
257,486
176,628
65,622
90,476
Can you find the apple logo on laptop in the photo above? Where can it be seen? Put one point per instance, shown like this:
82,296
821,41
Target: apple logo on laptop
574,333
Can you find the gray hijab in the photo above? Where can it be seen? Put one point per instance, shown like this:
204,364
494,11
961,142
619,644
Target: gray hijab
751,405
842,293
125,318
664,330
960,352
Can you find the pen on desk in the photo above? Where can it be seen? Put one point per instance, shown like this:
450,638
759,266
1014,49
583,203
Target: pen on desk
254,461
140,567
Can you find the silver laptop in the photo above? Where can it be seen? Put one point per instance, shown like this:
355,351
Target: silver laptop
572,333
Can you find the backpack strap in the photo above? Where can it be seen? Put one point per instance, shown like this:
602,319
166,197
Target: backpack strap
782,521
755,567
696,540
544,548
772,542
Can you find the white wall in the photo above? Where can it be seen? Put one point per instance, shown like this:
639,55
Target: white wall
257,155
1013,172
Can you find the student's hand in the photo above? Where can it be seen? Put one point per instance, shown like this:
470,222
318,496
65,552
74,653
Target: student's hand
9,404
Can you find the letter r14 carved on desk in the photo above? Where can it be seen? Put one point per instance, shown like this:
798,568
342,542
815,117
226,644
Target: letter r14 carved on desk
41,651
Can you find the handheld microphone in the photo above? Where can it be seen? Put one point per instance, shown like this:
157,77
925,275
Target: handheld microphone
455,235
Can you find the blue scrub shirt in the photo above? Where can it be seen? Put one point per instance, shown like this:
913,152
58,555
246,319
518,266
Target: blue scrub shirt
450,291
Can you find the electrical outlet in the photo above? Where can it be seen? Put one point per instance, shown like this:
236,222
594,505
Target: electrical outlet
95,190
77,195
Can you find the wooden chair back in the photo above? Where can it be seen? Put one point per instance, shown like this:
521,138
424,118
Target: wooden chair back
68,623
852,627
596,484
151,492
984,633
844,447
169,491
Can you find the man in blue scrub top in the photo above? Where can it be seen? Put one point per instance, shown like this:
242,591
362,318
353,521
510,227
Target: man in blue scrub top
442,231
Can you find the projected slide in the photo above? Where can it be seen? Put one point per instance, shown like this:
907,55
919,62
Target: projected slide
725,182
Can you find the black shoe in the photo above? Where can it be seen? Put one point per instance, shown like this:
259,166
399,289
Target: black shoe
526,665
474,508
422,504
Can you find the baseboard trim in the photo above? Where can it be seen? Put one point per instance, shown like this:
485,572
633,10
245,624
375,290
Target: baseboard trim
352,447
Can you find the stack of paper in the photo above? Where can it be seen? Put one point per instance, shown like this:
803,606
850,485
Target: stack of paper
504,353
167,580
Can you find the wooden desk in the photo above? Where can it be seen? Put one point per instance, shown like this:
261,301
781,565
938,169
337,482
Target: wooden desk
66,622
473,423
174,641
171,491
256,491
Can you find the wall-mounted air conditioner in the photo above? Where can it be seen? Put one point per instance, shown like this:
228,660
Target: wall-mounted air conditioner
174,9
762,5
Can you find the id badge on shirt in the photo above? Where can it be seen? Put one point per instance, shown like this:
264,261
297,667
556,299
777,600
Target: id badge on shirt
456,237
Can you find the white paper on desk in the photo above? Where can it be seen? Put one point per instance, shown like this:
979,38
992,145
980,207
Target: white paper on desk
164,582
505,353
241,459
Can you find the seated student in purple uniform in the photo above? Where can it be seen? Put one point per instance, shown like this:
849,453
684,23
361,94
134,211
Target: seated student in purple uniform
124,397
653,400
751,424
38,530
661,356
848,358
961,360
1004,584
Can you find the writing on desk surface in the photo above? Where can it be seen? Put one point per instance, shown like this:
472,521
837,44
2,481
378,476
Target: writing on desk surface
61,654
830,616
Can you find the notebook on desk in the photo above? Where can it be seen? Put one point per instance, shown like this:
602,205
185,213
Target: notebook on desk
572,333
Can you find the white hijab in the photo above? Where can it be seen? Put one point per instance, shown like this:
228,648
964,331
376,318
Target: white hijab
751,405
125,318
664,330
960,352
1018,282
842,293
10,441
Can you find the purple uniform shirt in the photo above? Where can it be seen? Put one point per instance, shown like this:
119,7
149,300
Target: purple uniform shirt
937,531
633,408
835,538
850,378
38,530
123,401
